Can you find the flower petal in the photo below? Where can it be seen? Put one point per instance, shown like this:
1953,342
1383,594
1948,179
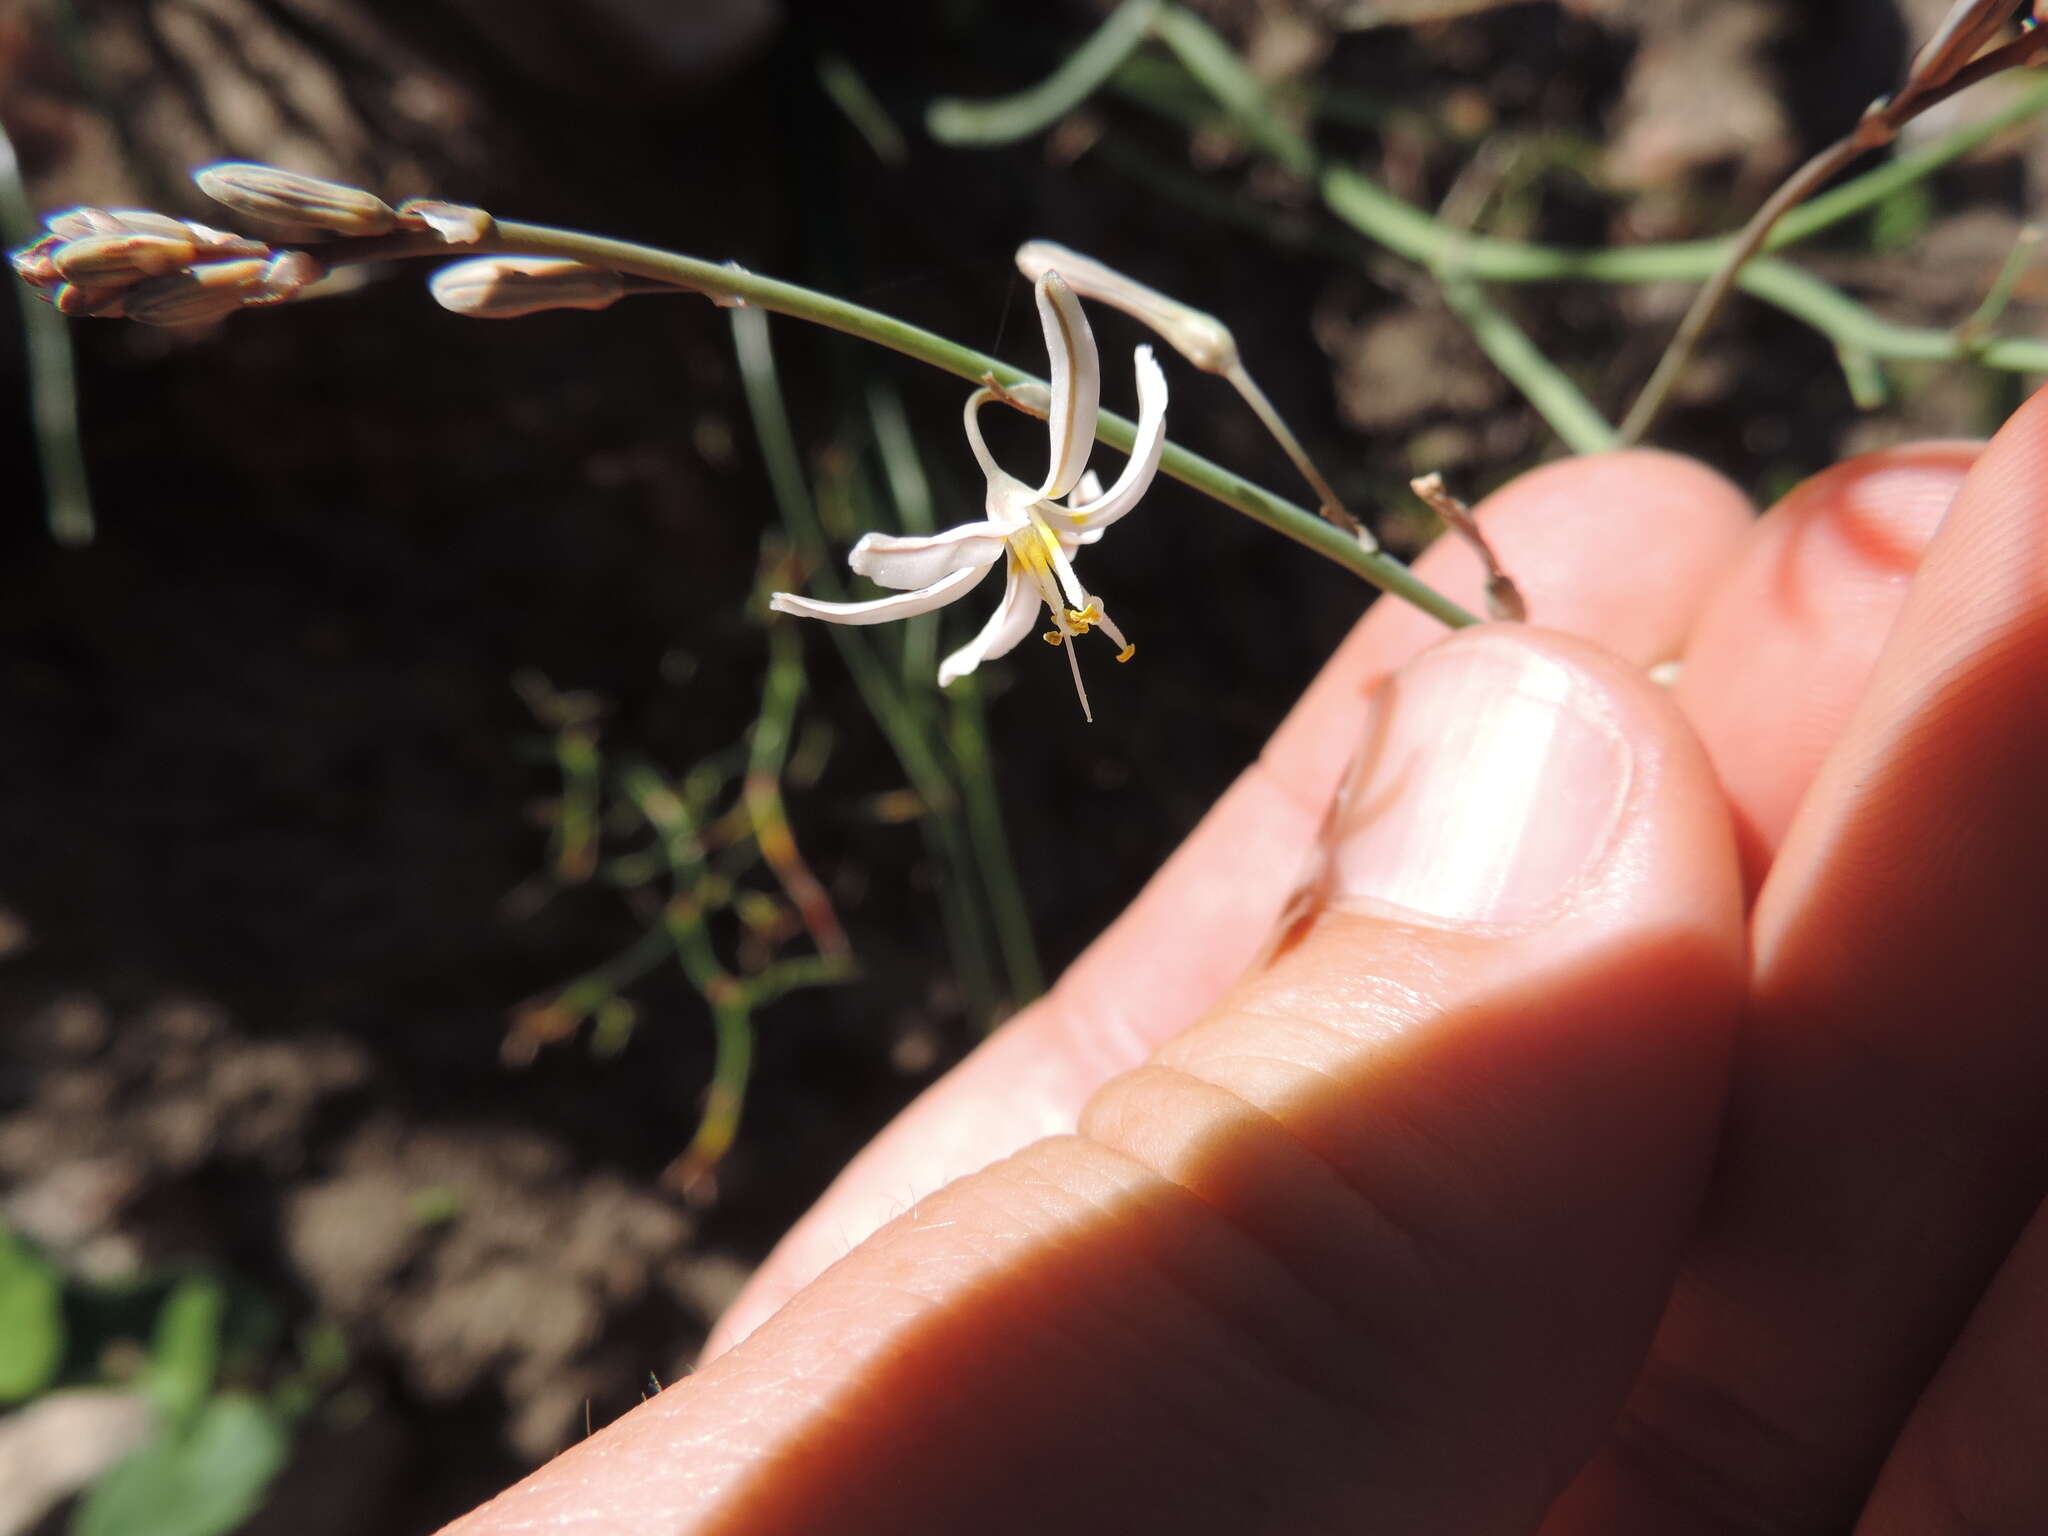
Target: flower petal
971,415
904,606
918,560
1144,460
1076,383
1015,617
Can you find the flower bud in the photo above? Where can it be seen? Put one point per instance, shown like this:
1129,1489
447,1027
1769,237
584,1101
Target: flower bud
142,221
287,201
199,294
222,245
33,263
456,223
107,303
286,273
506,287
1202,339
83,223
114,261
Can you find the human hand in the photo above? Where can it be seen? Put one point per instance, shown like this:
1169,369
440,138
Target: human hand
1389,1216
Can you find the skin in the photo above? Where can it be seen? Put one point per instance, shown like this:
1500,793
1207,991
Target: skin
1532,1099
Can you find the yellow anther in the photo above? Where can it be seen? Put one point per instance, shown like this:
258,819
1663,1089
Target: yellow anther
1085,619
1127,653
1052,637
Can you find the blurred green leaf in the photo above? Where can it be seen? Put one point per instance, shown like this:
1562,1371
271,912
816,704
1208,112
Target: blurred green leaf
205,1482
1902,218
31,1320
185,1356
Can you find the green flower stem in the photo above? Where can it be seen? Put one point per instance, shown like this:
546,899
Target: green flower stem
1003,121
2017,260
967,722
1848,324
1203,52
1009,913
52,377
902,727
730,286
1557,399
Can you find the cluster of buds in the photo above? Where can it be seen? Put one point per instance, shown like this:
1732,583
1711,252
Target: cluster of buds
139,265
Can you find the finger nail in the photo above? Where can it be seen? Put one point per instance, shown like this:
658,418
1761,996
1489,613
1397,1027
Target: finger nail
1489,785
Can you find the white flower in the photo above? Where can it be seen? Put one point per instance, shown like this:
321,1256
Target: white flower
1031,525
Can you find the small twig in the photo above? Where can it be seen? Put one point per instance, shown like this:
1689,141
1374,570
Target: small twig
1503,598
1871,133
1879,125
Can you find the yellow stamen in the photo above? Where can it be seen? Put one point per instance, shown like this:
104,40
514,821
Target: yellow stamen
1127,653
1053,637
1085,619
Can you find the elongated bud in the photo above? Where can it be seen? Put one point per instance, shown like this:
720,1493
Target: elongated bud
1201,338
142,221
287,201
112,261
83,224
456,223
200,294
506,287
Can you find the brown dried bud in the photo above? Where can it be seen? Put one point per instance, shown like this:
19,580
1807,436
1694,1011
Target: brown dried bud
506,287
200,294
286,201
114,261
456,223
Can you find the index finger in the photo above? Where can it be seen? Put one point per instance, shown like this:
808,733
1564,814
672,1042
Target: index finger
1621,549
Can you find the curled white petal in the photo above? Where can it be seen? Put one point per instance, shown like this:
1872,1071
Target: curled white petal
918,560
971,415
1015,618
1143,464
904,606
1076,383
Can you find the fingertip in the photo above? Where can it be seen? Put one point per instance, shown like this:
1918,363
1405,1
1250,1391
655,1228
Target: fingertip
1620,548
1784,646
